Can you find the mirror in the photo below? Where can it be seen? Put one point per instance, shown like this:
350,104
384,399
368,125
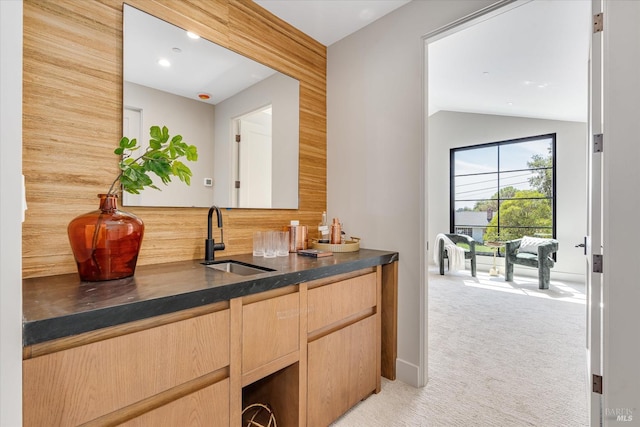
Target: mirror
211,96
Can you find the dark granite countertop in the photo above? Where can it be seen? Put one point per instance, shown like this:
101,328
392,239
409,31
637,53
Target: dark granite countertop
62,306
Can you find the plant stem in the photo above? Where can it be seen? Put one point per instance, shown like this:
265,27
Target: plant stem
114,183
94,243
121,172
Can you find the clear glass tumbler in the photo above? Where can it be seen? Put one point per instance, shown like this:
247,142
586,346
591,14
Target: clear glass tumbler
258,243
270,244
283,243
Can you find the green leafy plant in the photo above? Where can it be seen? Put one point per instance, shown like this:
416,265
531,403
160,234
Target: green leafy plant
162,158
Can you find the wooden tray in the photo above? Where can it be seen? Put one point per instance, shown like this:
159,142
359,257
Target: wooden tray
352,245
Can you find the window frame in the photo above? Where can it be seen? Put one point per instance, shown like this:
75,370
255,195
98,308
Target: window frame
499,171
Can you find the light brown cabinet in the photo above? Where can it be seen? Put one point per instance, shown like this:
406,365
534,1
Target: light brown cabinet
80,384
343,363
270,331
341,371
338,301
311,350
204,408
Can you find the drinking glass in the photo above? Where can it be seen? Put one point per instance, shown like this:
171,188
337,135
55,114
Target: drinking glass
270,242
258,243
283,243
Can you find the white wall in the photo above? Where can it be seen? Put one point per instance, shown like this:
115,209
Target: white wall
375,150
621,375
448,129
10,213
182,116
374,179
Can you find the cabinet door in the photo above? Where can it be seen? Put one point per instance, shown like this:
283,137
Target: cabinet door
270,330
331,303
73,386
341,371
207,407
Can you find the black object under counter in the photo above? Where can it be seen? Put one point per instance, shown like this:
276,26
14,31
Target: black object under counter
62,306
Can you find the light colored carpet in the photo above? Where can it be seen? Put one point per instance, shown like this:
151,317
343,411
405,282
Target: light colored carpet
500,354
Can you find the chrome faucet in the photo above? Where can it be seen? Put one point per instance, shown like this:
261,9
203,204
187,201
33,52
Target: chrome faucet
210,246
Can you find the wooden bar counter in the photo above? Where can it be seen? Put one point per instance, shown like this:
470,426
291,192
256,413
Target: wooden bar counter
185,344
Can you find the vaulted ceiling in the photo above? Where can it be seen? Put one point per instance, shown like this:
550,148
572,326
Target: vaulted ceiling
530,61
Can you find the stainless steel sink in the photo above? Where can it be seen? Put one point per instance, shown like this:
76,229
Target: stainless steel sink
237,267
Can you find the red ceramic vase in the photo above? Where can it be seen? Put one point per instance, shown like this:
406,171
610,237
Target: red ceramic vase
106,242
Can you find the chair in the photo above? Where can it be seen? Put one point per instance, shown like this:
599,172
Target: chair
469,254
532,252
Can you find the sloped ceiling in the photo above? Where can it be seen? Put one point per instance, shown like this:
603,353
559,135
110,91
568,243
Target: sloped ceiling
530,60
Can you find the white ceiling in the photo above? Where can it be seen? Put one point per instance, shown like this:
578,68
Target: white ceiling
328,21
530,61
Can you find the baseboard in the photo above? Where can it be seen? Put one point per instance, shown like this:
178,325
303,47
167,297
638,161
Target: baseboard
408,373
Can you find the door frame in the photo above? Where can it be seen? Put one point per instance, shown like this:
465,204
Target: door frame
593,240
594,338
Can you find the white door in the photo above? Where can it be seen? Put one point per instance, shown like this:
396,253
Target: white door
255,159
255,166
594,227
621,204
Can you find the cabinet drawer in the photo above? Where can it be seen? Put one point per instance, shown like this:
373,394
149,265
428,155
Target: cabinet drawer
341,371
206,407
336,301
77,385
270,330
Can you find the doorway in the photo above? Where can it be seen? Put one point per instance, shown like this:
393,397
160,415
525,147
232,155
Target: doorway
254,163
496,86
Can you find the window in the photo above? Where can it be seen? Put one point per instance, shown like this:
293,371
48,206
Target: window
504,190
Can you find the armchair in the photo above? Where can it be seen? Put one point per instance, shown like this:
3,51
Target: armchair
469,254
532,252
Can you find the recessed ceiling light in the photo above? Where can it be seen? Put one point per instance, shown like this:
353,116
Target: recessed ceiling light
204,96
176,50
164,62
192,35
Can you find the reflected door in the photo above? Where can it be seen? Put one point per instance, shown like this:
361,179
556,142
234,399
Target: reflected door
254,184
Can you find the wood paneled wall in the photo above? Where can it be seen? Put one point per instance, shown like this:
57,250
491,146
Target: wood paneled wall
72,121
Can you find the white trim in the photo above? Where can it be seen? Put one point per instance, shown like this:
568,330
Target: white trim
11,213
409,373
422,374
481,15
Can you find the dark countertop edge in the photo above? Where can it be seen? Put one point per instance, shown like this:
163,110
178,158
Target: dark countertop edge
39,331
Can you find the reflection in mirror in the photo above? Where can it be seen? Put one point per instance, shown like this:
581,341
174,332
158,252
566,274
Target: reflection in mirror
213,97
254,158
